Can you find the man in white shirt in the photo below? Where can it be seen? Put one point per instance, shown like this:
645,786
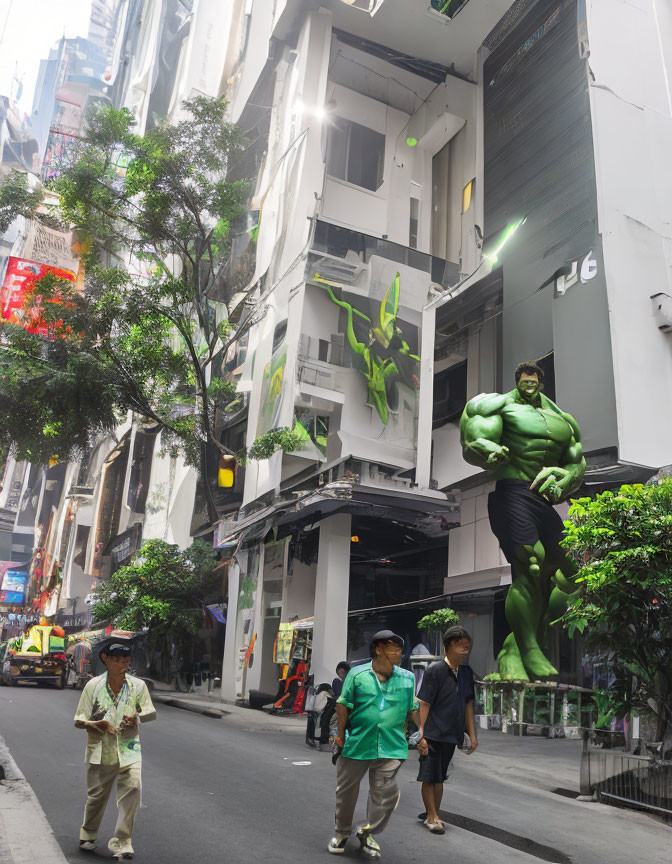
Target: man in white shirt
109,709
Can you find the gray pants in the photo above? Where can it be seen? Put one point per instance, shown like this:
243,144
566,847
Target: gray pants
99,782
383,791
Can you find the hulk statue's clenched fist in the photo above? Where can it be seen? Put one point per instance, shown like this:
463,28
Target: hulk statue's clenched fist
534,450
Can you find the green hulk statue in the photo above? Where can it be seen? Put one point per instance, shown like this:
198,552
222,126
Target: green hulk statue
534,450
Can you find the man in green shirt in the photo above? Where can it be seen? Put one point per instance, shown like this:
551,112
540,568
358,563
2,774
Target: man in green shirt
375,703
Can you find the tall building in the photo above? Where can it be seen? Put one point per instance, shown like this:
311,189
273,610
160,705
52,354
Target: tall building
366,128
574,142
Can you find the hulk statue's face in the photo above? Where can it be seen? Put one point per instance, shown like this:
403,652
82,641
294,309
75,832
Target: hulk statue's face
528,386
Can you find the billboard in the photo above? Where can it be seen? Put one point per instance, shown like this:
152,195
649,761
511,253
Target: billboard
19,281
12,584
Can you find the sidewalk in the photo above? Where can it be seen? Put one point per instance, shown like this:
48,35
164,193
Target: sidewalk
211,705
25,835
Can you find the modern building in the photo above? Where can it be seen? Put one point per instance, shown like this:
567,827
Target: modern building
574,143
366,129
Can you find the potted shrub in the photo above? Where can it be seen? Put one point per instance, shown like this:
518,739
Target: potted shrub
434,625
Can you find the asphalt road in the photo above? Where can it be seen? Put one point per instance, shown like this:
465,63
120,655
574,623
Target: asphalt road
236,791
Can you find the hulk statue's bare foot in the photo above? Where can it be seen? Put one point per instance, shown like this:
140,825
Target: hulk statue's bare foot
510,662
537,666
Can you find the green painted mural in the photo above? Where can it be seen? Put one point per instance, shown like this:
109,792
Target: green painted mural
386,357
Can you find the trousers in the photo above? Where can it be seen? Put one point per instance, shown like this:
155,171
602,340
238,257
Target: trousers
99,782
383,792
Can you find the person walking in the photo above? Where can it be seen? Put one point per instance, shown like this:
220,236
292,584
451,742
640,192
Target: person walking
109,709
317,699
446,710
341,674
374,705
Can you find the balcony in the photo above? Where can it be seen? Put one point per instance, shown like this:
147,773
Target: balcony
343,255
318,373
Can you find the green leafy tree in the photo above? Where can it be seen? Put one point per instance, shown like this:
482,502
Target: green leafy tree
162,589
16,199
151,329
623,543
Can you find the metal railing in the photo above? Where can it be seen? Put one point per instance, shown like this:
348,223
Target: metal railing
627,780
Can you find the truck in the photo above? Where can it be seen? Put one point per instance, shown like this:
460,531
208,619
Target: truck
37,655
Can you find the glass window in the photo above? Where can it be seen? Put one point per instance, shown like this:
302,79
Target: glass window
355,153
450,394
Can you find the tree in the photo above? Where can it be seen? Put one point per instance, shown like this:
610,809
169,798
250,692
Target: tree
162,589
623,543
16,199
152,327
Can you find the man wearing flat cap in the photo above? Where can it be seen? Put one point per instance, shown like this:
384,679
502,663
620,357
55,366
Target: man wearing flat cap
109,709
374,705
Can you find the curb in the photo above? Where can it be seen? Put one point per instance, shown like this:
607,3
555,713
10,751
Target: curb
25,834
214,713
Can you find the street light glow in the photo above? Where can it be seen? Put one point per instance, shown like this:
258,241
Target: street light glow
509,231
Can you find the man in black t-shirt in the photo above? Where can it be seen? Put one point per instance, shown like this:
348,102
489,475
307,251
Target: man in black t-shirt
446,712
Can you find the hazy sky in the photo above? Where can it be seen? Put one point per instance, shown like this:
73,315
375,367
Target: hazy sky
28,29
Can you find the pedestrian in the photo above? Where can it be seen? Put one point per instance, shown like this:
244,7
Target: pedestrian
341,674
321,705
109,709
446,711
317,699
376,700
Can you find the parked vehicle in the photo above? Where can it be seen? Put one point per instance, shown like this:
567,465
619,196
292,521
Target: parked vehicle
38,655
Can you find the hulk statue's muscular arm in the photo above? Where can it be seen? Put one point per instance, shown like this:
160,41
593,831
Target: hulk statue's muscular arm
481,429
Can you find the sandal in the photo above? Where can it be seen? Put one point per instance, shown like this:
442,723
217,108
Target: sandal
434,827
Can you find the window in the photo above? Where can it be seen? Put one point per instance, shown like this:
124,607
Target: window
450,394
279,335
413,224
355,154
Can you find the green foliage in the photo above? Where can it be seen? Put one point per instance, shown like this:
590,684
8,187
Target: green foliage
608,706
156,318
623,543
493,678
163,589
439,620
16,199
278,439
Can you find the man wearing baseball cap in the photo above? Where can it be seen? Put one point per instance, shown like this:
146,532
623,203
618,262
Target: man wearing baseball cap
109,709
376,700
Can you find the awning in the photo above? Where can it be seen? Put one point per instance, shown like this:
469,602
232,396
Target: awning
430,515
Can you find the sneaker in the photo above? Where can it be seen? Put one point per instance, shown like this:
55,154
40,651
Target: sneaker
337,844
311,743
369,845
117,852
87,845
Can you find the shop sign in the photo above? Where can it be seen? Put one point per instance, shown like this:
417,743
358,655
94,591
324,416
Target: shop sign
582,271
19,281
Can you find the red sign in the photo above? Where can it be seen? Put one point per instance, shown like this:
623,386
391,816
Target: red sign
19,282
